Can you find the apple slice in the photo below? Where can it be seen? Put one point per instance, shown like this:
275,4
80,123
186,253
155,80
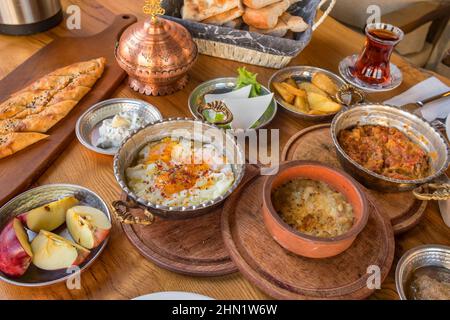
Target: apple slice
53,252
48,217
88,226
15,250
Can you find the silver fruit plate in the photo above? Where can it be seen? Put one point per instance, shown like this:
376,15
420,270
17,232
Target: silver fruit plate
35,277
87,127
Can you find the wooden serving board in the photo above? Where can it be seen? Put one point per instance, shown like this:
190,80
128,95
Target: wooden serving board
315,143
192,247
284,275
18,171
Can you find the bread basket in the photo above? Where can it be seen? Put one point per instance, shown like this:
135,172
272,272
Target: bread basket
250,47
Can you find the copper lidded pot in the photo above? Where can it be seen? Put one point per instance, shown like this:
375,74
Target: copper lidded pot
156,53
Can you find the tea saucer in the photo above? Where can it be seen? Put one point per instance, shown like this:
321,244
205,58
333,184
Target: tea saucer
346,69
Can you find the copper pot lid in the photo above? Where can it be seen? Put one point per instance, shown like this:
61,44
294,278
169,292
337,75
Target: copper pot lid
156,45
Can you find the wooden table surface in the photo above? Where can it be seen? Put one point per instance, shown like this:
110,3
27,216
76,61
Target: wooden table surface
120,272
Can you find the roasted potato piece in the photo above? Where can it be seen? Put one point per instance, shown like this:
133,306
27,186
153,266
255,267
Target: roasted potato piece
294,90
323,82
289,105
301,104
283,92
320,103
291,82
309,87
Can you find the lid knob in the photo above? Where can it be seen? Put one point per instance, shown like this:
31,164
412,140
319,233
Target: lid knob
153,8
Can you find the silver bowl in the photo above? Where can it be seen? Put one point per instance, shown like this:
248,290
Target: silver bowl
422,256
35,277
299,74
224,85
177,127
88,124
414,127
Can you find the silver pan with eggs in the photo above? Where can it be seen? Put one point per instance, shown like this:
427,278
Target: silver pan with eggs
159,170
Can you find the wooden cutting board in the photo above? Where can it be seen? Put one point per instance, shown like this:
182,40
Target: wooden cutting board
315,143
284,275
18,171
192,247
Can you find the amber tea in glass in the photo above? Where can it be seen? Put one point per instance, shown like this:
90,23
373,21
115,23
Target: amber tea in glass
372,65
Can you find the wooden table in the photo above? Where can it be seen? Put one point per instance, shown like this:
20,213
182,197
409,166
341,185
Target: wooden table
120,272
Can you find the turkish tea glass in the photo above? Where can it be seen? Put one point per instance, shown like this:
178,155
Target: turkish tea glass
373,64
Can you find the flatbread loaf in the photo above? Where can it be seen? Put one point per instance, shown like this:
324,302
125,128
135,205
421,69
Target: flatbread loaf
199,10
13,142
42,104
38,107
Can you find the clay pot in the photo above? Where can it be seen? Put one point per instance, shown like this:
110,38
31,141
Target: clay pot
308,245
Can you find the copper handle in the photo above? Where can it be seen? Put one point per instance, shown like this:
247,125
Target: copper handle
122,212
356,95
432,191
217,106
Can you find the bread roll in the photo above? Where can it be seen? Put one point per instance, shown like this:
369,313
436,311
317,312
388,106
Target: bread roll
258,4
222,18
198,10
267,17
285,23
294,23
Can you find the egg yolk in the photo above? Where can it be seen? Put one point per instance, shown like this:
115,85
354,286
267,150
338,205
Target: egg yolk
178,177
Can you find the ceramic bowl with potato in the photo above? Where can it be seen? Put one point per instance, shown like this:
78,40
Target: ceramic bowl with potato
306,92
50,232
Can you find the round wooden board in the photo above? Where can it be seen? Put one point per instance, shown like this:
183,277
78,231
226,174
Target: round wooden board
284,275
315,143
192,247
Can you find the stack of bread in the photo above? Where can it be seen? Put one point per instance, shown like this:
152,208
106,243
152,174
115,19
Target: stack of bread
263,16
